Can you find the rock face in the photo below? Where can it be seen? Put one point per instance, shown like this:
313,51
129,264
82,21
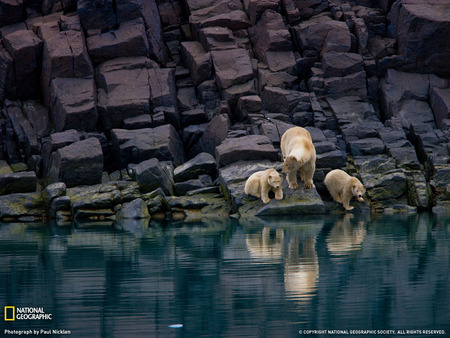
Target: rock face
166,100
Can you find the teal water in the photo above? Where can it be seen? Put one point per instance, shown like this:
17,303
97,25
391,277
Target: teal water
322,276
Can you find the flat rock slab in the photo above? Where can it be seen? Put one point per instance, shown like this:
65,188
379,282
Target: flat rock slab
20,182
16,206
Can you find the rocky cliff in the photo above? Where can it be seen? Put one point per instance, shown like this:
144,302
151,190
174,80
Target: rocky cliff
173,104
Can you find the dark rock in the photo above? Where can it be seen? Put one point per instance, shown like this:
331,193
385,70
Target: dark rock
73,104
388,186
138,122
336,64
53,191
251,147
217,38
186,98
247,105
350,85
135,146
417,115
214,134
284,101
440,103
129,39
431,41
192,134
369,146
38,116
17,206
124,90
70,22
95,15
279,79
135,209
162,87
11,12
59,204
80,163
202,164
7,85
232,94
331,159
64,56
234,20
232,67
20,182
197,60
25,48
150,175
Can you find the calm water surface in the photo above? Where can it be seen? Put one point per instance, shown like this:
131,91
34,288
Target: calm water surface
268,278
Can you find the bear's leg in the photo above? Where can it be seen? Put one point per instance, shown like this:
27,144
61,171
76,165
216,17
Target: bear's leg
292,179
346,197
307,173
265,194
278,193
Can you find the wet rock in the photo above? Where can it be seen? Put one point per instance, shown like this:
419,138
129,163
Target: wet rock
21,182
183,188
150,175
202,164
80,163
376,164
28,206
25,48
388,186
135,146
58,205
251,147
53,191
418,190
197,60
135,209
435,25
73,104
129,39
232,67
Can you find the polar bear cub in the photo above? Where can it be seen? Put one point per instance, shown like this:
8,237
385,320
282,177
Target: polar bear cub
298,154
343,187
260,183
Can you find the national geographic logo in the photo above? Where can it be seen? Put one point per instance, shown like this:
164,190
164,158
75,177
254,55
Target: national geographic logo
26,313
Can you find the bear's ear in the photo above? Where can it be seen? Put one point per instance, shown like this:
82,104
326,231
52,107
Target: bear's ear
270,176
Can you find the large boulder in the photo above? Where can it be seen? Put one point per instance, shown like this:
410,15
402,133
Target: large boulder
135,146
130,39
73,104
25,47
135,209
151,175
202,164
425,50
80,163
251,147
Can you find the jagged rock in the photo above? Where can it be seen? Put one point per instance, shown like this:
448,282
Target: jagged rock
80,163
52,191
272,42
202,164
417,115
20,182
312,34
197,60
58,204
232,67
433,18
214,134
251,147
135,209
292,12
129,39
151,175
96,15
440,103
135,146
7,85
353,84
368,146
255,8
38,117
280,79
232,94
217,38
25,48
73,104
64,56
186,98
192,134
162,88
381,47
279,100
336,64
388,186
14,207
247,105
124,90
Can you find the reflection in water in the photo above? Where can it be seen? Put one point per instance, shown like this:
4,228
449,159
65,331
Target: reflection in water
269,278
346,236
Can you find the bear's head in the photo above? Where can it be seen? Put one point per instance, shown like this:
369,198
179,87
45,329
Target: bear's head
290,163
358,190
274,179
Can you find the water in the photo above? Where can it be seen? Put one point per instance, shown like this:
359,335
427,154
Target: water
270,278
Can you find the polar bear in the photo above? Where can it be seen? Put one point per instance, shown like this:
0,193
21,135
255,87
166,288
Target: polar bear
343,187
260,183
298,154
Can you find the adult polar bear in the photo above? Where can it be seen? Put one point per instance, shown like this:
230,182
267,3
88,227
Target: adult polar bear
298,154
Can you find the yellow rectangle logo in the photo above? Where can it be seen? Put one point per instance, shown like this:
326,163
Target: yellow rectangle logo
10,313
